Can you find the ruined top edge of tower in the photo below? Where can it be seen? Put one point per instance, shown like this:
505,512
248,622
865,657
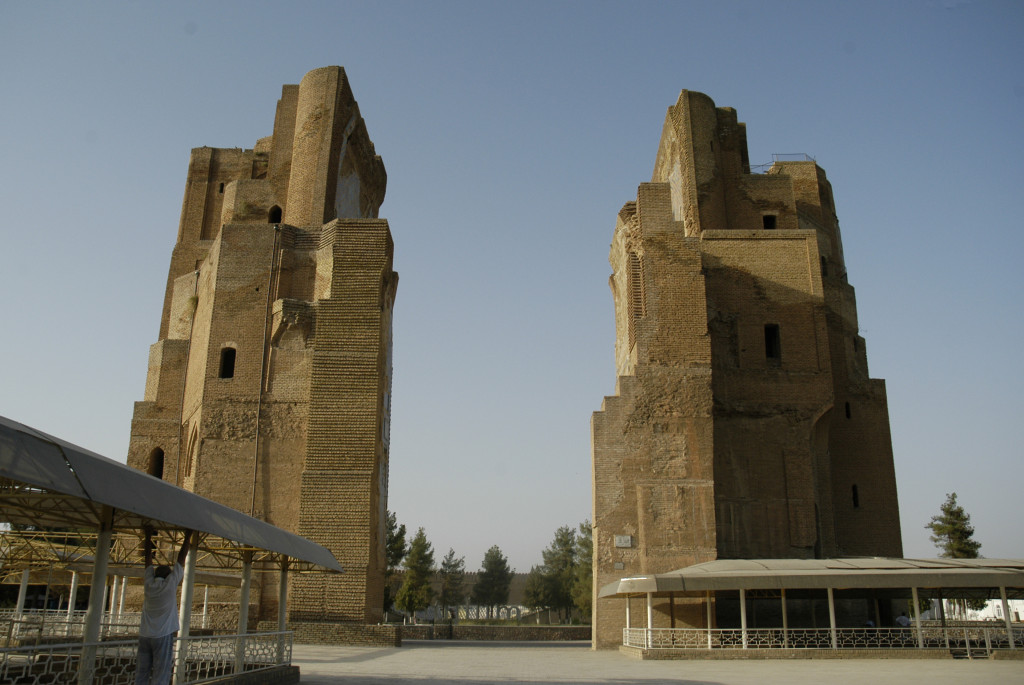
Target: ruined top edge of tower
335,170
697,131
318,165
701,145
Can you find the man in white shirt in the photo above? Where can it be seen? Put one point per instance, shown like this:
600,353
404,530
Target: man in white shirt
159,624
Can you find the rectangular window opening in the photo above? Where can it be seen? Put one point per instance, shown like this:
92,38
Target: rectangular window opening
768,221
772,344
227,363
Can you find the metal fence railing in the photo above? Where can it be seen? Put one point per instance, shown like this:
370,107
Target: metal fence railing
206,657
49,625
971,639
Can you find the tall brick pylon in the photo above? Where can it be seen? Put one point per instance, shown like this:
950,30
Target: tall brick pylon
269,387
744,423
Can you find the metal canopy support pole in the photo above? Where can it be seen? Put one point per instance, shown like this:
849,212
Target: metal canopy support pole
71,602
206,602
282,609
832,618
917,618
243,611
103,605
22,594
120,599
785,621
650,618
282,597
1006,617
72,594
97,588
743,616
707,597
942,614
188,584
112,609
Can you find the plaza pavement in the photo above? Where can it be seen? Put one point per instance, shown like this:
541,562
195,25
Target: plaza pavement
433,663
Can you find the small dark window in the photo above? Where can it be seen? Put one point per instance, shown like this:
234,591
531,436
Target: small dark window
768,221
221,190
274,217
824,266
772,344
856,497
847,410
227,362
156,463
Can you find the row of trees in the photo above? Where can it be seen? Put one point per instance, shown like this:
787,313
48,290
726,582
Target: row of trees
417,560
565,580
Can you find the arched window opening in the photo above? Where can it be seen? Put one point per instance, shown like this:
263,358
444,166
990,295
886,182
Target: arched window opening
274,216
856,497
227,362
156,463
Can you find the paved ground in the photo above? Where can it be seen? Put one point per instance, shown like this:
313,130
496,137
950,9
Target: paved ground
427,663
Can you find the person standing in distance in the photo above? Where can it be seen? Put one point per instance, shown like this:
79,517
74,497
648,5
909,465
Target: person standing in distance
159,624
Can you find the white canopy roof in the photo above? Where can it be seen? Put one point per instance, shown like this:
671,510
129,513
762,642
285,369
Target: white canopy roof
48,482
857,572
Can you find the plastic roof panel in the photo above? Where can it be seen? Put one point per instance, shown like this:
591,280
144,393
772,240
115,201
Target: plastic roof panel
48,463
869,572
32,457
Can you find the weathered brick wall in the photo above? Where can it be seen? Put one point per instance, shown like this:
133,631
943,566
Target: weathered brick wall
522,633
342,489
714,446
297,433
330,633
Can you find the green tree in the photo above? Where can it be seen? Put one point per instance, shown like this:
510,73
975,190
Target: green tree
452,575
560,567
395,550
953,534
952,531
553,584
537,592
416,592
493,580
583,583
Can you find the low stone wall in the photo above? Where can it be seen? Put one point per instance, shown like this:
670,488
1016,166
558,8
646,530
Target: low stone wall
312,633
494,633
282,675
734,654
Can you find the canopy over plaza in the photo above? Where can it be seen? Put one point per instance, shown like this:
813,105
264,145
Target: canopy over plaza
100,508
866,590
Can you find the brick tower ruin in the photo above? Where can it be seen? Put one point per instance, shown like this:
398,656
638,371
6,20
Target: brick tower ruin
269,387
744,423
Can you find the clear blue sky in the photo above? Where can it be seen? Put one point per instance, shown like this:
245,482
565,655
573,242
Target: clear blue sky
512,135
